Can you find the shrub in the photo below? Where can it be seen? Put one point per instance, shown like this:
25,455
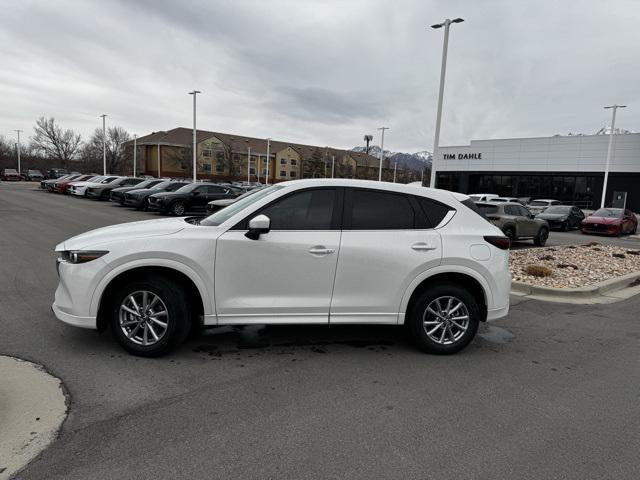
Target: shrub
538,271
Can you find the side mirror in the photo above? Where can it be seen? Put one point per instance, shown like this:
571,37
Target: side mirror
257,226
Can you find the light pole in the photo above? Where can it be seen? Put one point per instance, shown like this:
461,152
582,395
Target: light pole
18,149
395,167
446,24
135,152
381,152
258,167
268,162
333,164
158,158
248,163
104,144
194,93
614,108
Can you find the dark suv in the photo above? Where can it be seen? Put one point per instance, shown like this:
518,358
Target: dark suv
516,221
139,198
190,198
101,191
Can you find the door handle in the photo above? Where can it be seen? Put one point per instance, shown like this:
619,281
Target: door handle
422,247
321,250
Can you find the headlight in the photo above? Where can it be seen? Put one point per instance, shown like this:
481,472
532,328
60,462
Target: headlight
81,256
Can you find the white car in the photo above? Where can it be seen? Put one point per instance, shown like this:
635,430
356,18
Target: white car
79,189
540,205
301,252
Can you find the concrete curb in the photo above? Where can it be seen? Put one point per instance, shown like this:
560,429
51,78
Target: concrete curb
591,292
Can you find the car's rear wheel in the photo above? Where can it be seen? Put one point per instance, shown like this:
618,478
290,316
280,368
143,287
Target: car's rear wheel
151,316
444,319
510,232
541,239
178,208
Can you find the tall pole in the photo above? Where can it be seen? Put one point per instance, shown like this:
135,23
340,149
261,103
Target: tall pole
104,144
135,153
333,164
18,149
614,108
422,176
446,24
395,167
158,158
268,162
194,93
381,152
249,164
258,167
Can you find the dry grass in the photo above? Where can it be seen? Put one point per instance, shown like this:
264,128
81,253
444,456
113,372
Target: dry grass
538,270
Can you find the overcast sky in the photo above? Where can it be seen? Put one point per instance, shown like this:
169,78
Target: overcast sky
322,72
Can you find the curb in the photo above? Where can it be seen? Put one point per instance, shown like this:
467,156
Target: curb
583,293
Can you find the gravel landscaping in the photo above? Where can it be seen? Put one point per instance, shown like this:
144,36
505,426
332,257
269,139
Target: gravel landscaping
572,266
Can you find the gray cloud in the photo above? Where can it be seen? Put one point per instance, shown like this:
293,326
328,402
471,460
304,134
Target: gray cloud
321,71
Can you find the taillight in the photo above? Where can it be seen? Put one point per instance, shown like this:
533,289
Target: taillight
503,243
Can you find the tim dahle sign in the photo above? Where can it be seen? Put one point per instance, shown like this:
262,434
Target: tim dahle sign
463,156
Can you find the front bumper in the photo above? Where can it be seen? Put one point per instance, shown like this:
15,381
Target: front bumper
90,193
131,201
74,320
116,197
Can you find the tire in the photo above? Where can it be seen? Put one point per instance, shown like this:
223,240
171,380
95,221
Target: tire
178,208
130,328
541,239
510,232
565,226
430,333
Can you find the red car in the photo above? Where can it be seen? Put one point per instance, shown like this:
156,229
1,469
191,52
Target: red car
61,187
10,175
610,221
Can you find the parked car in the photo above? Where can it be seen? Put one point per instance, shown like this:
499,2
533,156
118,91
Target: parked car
61,186
32,175
53,185
190,198
10,175
79,189
54,173
139,198
610,221
44,183
508,199
102,190
482,197
418,257
562,217
540,205
516,222
117,194
216,205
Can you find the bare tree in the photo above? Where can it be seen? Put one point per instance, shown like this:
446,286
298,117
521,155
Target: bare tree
54,142
92,151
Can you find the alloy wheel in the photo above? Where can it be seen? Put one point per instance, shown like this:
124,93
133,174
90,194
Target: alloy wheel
445,320
178,208
143,318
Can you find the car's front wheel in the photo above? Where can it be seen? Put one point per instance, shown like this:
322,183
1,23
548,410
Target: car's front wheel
150,316
541,239
178,208
444,319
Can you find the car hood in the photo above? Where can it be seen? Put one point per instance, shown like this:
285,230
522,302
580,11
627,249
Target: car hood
224,202
124,189
603,220
144,190
82,184
123,231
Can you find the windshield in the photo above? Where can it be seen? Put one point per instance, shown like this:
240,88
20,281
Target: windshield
558,209
226,213
10,170
189,187
608,213
539,203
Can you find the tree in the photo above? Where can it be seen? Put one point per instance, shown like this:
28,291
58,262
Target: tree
92,151
54,142
313,167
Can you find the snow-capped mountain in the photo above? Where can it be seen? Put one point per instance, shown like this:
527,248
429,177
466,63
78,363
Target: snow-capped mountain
412,161
606,130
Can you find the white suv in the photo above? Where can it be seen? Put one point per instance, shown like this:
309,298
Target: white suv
304,252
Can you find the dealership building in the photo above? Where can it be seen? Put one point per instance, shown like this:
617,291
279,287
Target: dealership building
567,168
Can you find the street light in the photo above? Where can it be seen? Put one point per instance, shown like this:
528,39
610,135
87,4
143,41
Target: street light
194,93
248,161
446,24
381,152
104,144
614,108
395,167
268,159
135,151
18,149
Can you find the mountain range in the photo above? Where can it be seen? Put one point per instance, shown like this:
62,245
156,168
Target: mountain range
411,161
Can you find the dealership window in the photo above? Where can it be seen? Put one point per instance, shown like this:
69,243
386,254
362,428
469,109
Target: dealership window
448,181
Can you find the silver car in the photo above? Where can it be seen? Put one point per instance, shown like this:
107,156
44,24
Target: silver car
515,221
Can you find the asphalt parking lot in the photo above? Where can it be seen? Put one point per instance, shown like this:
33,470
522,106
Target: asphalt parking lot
551,391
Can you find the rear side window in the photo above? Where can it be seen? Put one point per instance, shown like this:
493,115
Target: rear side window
472,206
381,211
512,210
434,211
307,210
524,211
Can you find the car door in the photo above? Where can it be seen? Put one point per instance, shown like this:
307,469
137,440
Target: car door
387,241
287,274
577,216
528,225
627,222
199,198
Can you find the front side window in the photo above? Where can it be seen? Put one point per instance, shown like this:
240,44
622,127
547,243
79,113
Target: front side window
307,210
524,212
372,210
